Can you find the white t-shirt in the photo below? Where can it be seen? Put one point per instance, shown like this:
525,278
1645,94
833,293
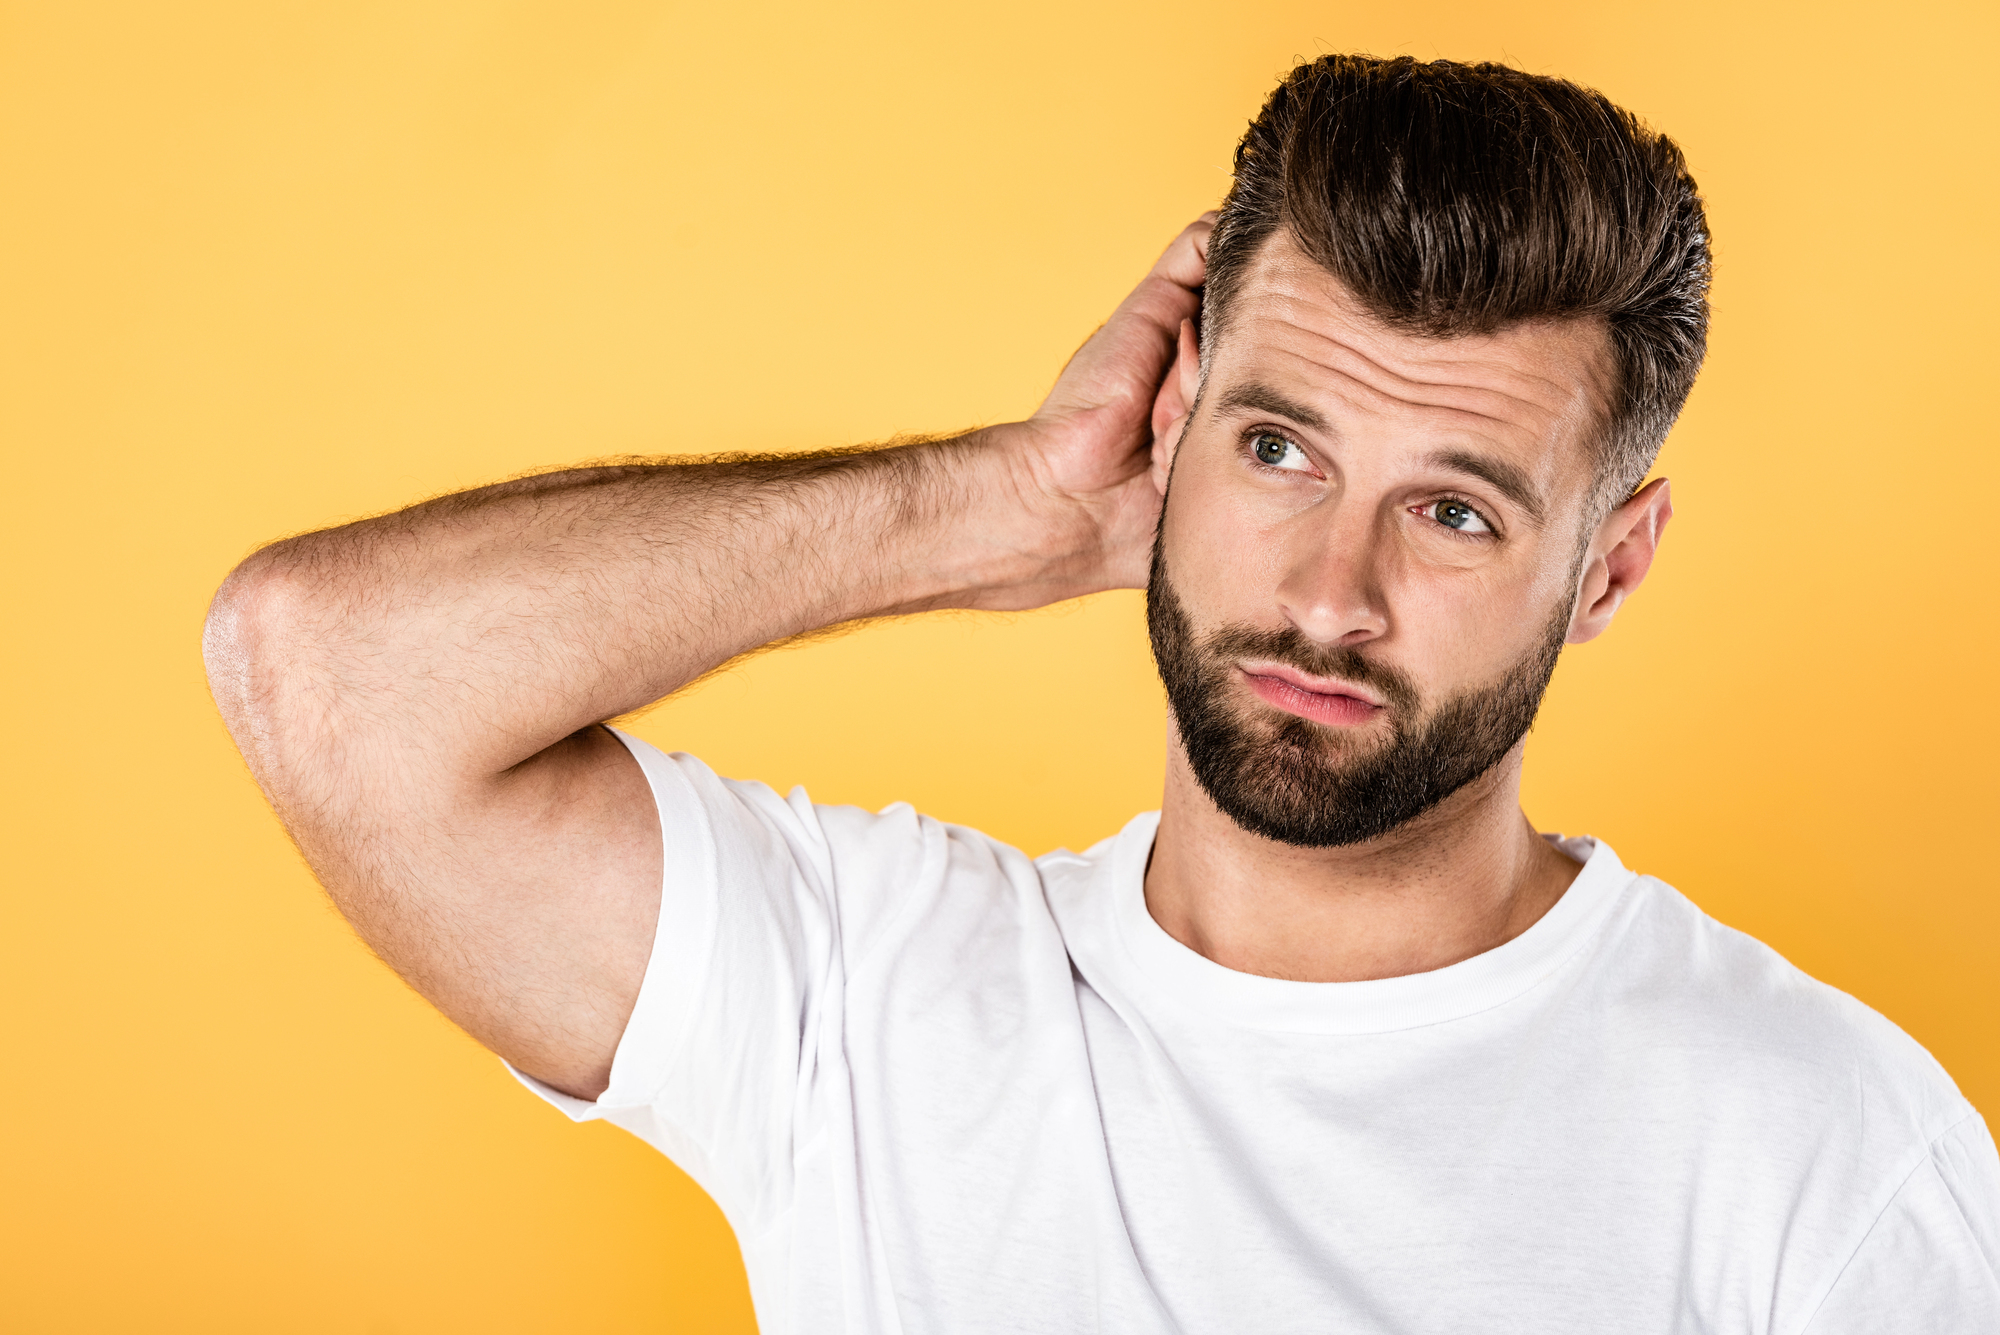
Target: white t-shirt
937,1086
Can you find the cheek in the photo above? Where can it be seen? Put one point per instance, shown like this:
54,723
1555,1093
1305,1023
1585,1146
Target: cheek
1223,549
1457,627
1442,627
1466,628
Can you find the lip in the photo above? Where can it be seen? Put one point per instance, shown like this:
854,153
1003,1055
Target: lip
1326,700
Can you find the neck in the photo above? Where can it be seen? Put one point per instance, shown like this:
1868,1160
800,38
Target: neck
1465,877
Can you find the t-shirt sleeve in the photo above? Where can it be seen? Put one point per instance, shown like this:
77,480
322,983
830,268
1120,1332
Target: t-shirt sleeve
1931,1262
766,904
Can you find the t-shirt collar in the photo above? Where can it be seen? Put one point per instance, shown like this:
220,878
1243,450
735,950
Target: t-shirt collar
1466,988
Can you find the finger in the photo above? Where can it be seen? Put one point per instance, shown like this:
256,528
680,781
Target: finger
1185,260
1126,359
1170,291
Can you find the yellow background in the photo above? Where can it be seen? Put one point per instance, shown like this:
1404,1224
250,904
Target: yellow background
267,266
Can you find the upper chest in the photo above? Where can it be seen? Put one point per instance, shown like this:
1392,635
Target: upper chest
1022,1142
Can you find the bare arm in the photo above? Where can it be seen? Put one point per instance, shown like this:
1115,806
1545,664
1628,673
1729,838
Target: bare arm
418,693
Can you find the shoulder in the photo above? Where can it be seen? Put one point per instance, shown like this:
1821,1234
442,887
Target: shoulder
740,852
836,847
1930,1260
1743,1017
1799,1118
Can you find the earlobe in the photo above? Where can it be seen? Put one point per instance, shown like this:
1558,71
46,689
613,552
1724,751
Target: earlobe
1621,553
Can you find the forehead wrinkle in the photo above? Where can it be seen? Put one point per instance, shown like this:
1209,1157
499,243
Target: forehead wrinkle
1386,382
1286,280
1442,419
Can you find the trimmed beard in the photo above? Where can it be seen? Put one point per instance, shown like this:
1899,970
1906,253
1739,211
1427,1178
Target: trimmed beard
1309,785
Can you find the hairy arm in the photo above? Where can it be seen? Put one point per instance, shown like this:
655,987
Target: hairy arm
419,694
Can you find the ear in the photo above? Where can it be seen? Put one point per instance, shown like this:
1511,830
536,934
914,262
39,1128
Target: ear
1621,552
1170,408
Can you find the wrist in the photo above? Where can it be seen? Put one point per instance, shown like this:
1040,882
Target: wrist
1009,538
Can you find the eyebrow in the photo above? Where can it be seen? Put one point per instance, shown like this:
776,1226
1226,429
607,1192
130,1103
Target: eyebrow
1257,398
1508,479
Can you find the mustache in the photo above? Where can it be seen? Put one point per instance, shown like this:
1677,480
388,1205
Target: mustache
1290,646
1172,633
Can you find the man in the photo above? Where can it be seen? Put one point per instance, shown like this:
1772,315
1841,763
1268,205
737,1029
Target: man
1335,1041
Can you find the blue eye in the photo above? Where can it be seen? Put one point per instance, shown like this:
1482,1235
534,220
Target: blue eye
1458,516
1274,451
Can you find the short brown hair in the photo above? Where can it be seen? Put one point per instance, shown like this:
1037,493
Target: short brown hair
1457,199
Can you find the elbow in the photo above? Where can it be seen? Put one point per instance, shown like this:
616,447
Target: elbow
254,640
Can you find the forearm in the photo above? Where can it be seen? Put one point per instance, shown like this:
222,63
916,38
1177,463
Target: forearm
470,632
415,692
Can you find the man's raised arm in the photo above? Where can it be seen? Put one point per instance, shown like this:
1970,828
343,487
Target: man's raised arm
418,693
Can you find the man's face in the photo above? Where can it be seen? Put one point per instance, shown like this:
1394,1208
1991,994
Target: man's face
1369,553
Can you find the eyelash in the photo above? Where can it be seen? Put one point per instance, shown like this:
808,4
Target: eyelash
1249,448
1493,529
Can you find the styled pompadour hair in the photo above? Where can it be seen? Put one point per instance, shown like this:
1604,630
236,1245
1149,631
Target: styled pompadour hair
1458,199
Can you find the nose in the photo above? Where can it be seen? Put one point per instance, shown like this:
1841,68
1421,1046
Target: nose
1332,588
